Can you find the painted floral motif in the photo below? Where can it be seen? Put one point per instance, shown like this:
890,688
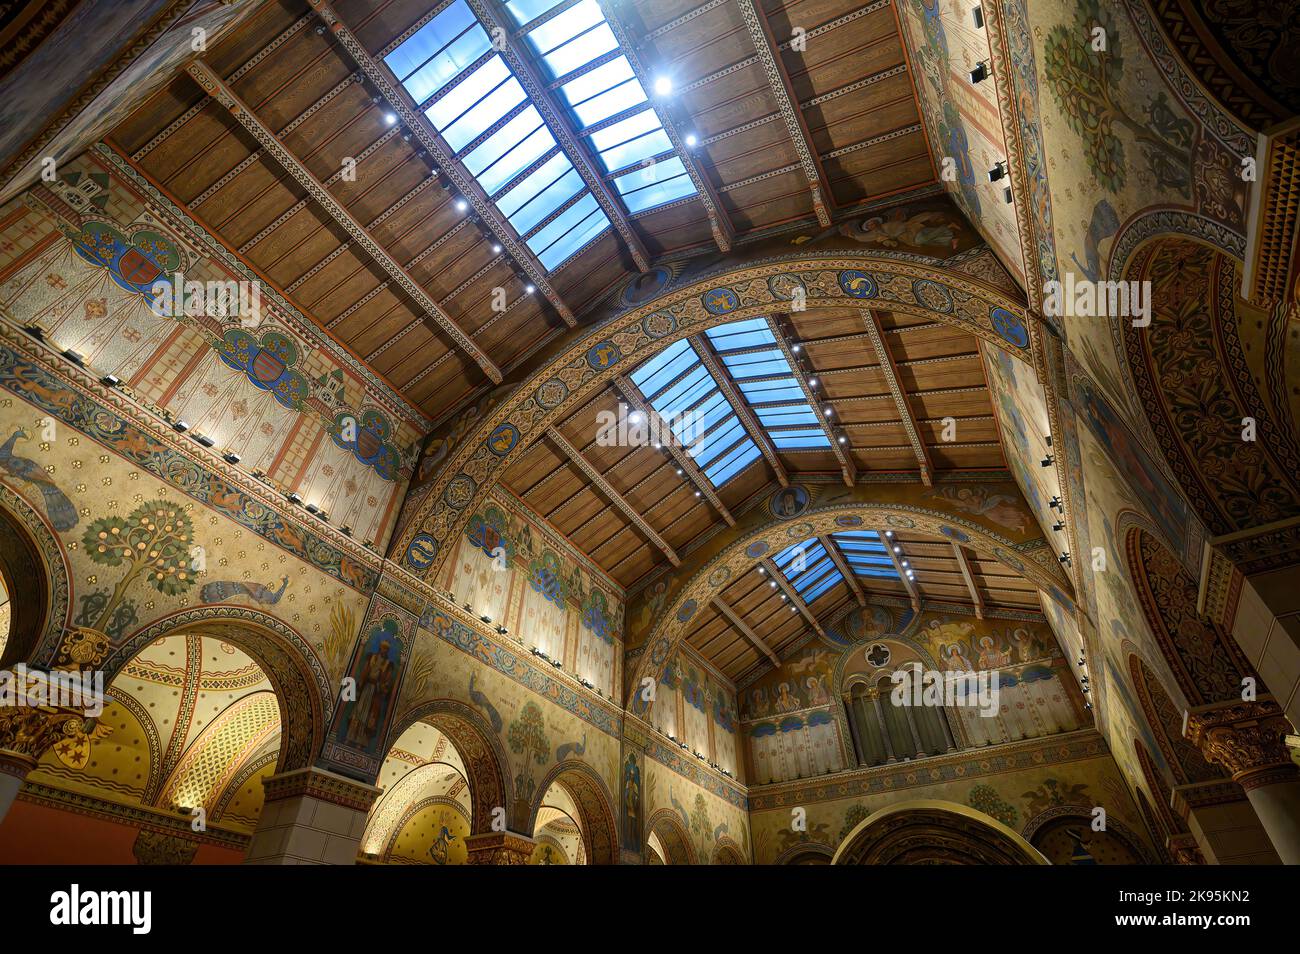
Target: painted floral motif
269,364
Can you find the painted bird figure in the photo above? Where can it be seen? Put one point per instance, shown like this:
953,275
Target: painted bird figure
59,508
222,590
485,704
572,749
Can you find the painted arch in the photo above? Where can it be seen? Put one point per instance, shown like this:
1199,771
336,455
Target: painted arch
542,397
929,831
730,554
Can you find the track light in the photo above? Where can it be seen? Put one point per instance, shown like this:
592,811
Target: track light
230,457
1007,197
998,171
110,380
980,73
75,357
1058,526
293,497
36,331
977,15
1048,461
181,426
203,439
1055,503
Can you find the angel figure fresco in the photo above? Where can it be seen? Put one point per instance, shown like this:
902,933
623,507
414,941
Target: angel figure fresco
816,691
956,657
930,228
1002,509
785,701
992,656
758,705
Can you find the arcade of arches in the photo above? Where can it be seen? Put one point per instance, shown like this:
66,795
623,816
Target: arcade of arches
851,432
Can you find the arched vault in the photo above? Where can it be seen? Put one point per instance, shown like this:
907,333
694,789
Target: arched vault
660,617
589,358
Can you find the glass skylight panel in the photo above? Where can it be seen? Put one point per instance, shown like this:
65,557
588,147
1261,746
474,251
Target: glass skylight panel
808,568
680,389
866,553
481,111
759,367
575,41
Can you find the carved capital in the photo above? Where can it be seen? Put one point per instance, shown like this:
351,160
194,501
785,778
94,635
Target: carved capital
323,785
499,848
1184,850
1246,738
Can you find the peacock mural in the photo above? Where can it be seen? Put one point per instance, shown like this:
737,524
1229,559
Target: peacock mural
63,516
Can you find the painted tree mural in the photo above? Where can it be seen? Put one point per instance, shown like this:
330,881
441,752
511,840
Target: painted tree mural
1085,66
527,737
153,543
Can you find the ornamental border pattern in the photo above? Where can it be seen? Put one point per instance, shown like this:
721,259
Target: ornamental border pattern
79,408
960,766
182,221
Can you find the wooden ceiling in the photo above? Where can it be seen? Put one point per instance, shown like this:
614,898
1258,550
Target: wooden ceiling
801,111
394,268
940,374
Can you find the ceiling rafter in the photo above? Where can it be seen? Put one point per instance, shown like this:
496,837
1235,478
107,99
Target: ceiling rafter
724,233
848,469
739,625
889,368
901,570
441,157
774,574
679,453
969,577
769,57
614,497
727,385
215,87
520,64
846,571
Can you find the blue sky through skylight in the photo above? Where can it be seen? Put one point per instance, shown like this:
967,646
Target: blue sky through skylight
597,83
866,553
759,368
679,387
808,568
471,96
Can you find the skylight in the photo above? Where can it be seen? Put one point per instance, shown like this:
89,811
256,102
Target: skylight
474,100
679,387
758,366
596,81
866,553
808,568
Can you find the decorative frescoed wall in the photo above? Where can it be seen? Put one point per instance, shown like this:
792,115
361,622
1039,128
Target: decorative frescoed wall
87,260
509,567
1046,791
962,119
696,709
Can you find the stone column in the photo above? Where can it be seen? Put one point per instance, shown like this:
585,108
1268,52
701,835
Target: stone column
27,733
499,848
1221,825
916,736
1184,850
884,727
1246,738
311,817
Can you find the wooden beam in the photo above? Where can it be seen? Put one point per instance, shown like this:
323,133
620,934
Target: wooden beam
774,573
534,86
719,223
748,419
769,57
740,627
614,497
890,371
848,469
442,157
969,578
216,87
846,571
679,453
901,570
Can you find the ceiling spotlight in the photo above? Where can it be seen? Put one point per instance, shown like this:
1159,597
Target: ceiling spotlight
1048,461
496,248
691,140
812,382
998,171
529,289
898,549
980,73
461,205
889,533
663,85
829,411
110,380
181,426
1058,526
772,583
679,471
697,493
843,439
904,563
636,417
230,457
795,348
390,118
